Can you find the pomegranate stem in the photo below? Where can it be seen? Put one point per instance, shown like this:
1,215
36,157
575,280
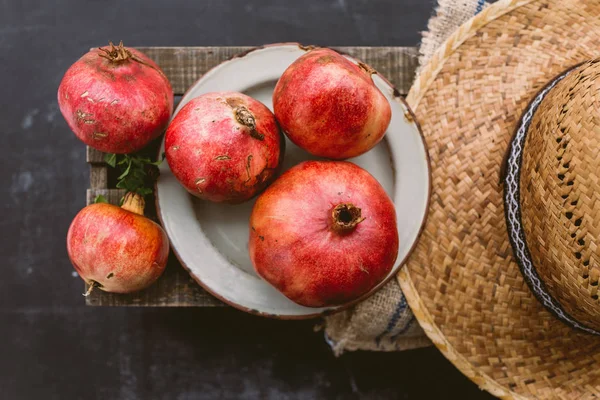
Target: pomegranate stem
366,68
134,202
115,53
245,117
120,53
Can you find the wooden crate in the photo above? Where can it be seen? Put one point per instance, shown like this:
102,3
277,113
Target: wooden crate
183,66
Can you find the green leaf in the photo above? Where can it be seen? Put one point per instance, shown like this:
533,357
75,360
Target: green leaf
100,199
126,172
137,172
110,159
143,160
144,191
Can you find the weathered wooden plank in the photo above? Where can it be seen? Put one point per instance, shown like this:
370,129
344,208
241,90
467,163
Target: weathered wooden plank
397,64
174,288
183,66
93,156
98,176
113,196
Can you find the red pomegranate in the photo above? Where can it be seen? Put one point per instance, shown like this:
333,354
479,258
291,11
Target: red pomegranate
117,249
329,106
224,147
115,99
324,233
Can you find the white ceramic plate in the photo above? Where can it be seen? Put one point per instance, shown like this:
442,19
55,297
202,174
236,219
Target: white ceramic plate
211,240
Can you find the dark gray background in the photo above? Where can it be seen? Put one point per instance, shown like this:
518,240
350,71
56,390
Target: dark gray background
51,345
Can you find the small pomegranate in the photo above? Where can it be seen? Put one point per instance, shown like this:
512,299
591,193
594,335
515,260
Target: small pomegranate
324,233
224,147
116,99
117,249
329,106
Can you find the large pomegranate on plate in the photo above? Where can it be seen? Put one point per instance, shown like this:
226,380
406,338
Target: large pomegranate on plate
324,233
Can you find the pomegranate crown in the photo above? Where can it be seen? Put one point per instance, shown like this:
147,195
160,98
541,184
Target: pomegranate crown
116,53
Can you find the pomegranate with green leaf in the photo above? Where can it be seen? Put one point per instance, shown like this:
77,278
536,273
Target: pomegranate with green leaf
117,249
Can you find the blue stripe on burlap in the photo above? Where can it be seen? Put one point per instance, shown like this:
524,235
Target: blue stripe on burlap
400,309
480,4
404,328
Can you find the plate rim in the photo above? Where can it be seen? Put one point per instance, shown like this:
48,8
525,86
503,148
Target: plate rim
410,118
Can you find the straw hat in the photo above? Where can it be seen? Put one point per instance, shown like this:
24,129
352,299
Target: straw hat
510,293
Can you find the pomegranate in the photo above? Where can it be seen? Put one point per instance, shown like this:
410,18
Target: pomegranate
329,106
324,233
117,249
115,99
224,147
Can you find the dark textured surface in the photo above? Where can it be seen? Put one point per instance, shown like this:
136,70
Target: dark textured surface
52,346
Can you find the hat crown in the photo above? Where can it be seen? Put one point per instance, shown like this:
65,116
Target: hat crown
560,192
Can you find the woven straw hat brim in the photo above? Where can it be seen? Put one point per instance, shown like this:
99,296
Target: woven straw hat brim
462,281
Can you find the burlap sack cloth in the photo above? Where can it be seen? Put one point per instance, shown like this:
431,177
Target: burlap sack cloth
384,322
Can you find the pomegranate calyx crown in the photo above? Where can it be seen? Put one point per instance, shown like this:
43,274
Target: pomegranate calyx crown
115,53
345,217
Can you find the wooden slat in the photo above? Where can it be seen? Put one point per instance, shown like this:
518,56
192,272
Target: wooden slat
397,64
113,196
183,66
174,288
94,156
98,176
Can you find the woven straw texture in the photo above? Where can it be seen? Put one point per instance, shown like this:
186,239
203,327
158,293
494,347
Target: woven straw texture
560,192
449,15
462,282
